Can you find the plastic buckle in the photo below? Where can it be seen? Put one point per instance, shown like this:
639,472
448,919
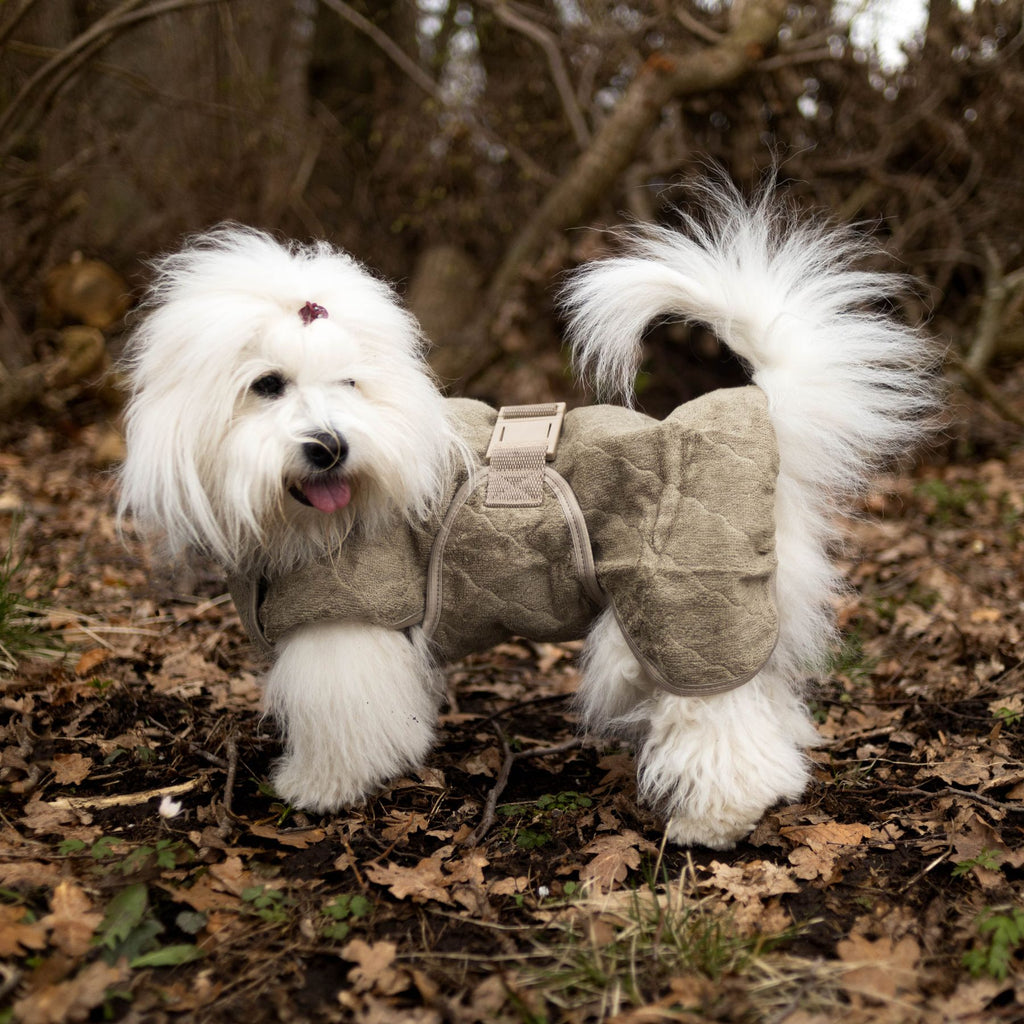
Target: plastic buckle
526,427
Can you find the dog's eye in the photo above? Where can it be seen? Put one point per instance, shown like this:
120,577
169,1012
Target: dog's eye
347,383
270,385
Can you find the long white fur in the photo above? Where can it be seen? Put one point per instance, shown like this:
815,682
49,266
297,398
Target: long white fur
206,460
210,460
847,387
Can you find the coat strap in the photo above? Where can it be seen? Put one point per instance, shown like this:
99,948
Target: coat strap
525,437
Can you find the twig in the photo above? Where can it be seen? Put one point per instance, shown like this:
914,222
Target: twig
123,799
1000,290
981,383
229,782
15,19
508,758
969,794
491,804
386,44
559,75
56,72
217,762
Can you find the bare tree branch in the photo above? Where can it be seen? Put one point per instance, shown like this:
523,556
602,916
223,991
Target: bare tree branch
663,77
387,45
552,51
38,92
15,19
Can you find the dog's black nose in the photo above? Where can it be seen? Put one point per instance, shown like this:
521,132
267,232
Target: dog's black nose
324,450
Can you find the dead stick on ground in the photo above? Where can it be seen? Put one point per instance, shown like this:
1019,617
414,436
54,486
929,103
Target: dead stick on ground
510,756
229,782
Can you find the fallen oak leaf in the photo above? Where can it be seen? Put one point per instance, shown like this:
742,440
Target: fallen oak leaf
752,881
71,920
18,934
425,881
881,968
613,856
374,970
299,839
828,833
70,769
91,659
70,1000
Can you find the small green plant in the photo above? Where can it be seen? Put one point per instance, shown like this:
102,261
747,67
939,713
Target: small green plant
270,905
567,801
948,502
341,912
530,839
131,930
1007,717
21,624
166,854
1000,940
989,860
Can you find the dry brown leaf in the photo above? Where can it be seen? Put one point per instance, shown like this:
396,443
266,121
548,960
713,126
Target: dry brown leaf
70,769
402,825
883,968
298,840
16,874
809,864
509,886
91,659
43,817
613,856
375,970
70,1000
231,875
828,833
18,935
468,869
71,920
425,881
755,880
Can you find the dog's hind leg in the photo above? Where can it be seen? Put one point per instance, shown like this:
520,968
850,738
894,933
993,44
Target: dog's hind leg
614,686
357,706
711,765
714,765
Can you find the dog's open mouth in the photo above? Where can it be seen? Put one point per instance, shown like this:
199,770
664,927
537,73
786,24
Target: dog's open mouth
326,494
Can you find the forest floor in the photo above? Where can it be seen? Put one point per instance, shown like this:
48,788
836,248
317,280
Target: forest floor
149,874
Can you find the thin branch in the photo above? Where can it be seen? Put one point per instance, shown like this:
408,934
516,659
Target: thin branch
387,45
15,19
559,75
1000,290
661,78
38,92
509,757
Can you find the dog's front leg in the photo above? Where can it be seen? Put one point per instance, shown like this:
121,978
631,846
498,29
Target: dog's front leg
357,706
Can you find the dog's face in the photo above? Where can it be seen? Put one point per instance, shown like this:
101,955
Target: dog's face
280,398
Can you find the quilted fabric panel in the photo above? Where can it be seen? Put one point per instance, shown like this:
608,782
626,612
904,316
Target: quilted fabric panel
680,515
681,518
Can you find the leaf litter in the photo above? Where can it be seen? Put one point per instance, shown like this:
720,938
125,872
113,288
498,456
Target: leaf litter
148,872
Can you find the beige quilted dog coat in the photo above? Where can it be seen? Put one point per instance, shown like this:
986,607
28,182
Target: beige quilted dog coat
669,522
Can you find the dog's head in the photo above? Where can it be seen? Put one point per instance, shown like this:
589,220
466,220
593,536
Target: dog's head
280,398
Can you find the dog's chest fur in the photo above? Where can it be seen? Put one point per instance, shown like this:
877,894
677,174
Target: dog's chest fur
670,522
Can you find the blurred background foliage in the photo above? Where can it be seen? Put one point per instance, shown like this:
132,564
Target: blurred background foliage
473,150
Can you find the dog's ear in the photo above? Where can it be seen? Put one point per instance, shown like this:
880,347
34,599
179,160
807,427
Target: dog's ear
170,431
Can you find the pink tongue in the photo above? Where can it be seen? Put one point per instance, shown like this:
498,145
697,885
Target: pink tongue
327,495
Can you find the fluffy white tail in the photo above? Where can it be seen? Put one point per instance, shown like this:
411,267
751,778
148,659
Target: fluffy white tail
848,385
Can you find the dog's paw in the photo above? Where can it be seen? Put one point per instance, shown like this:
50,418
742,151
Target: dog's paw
716,833
307,789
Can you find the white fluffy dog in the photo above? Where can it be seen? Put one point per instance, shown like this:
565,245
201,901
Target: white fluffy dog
281,404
